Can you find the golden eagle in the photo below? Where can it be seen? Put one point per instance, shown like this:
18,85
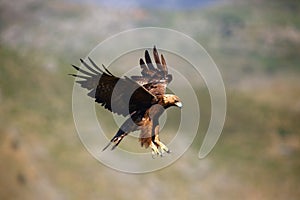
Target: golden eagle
142,98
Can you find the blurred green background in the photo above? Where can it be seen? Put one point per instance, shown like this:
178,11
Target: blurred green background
256,45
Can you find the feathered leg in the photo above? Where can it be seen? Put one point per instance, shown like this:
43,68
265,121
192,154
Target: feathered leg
158,143
146,137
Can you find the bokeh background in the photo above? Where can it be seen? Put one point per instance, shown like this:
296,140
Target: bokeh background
256,45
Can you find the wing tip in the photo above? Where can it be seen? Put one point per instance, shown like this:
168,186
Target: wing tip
77,68
107,70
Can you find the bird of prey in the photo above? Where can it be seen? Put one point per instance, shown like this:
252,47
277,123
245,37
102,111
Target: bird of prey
142,98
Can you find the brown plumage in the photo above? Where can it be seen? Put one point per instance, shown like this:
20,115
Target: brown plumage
142,98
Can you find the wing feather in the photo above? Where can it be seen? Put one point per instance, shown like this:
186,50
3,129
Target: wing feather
82,71
157,60
95,66
164,65
154,79
119,95
145,71
149,61
88,67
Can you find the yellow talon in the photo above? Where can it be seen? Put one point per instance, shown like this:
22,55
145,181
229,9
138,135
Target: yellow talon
164,148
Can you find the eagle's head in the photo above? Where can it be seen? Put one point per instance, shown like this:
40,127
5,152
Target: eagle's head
171,100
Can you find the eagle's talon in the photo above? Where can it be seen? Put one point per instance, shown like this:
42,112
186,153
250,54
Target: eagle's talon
163,147
155,154
168,151
155,150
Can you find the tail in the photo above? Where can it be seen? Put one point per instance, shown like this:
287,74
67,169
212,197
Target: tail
127,127
116,139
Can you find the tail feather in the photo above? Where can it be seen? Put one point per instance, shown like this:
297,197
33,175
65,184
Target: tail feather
116,140
106,146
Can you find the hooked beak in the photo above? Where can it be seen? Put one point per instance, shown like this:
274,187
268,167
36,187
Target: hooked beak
178,104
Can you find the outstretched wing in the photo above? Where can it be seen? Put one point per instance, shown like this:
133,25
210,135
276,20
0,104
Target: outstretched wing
119,95
154,79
